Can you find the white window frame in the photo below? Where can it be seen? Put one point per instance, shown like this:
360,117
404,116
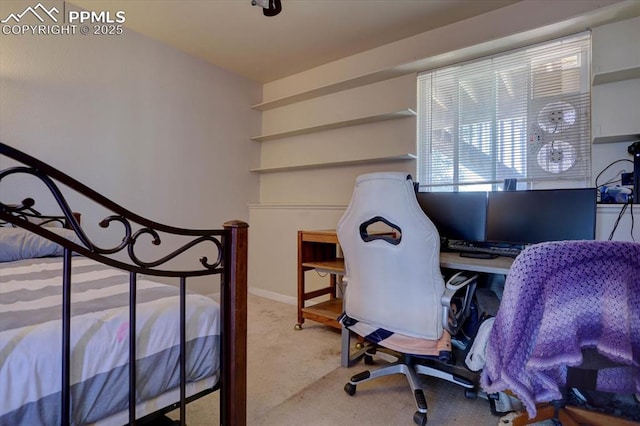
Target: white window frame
550,163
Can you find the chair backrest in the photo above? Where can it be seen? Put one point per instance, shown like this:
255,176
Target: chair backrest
393,283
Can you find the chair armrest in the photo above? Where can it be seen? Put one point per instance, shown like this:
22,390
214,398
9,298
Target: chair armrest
452,321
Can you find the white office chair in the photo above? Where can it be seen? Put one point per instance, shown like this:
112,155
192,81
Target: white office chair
395,294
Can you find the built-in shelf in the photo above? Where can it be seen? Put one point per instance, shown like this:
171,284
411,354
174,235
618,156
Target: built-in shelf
338,124
617,138
616,82
339,86
616,75
612,207
389,158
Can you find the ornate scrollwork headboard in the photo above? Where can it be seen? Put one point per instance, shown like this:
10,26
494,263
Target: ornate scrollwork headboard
135,227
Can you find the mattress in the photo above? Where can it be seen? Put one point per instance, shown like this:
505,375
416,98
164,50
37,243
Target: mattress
31,339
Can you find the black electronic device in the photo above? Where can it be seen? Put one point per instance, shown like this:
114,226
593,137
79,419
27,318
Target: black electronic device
456,215
534,216
478,255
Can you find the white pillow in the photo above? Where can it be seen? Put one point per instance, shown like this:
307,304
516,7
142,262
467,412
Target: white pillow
18,243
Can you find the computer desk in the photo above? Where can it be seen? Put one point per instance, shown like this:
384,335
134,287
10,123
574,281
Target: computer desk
449,260
452,260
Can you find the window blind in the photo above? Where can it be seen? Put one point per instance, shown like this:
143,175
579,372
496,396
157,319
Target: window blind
523,115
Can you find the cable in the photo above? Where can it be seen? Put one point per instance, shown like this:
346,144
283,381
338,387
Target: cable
606,168
614,180
615,225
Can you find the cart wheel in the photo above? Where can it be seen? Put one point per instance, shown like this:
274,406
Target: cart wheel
368,359
470,393
297,327
420,418
350,389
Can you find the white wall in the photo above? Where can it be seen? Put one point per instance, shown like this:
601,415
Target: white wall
273,258
162,133
371,82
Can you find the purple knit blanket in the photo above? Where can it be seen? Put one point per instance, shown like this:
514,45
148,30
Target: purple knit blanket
560,297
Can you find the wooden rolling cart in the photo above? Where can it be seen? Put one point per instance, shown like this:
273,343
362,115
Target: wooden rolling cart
318,250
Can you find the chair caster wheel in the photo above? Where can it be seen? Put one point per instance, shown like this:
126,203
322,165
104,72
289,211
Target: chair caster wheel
297,327
420,418
350,389
470,393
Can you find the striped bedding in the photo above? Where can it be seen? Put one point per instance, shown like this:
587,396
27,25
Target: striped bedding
30,341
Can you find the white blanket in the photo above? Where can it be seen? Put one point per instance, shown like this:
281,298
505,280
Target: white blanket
31,340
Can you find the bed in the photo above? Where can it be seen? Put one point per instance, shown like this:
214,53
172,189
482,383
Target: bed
69,305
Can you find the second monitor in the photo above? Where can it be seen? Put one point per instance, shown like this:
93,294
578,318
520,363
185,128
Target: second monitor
529,217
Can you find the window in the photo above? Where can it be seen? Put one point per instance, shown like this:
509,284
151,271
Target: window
521,115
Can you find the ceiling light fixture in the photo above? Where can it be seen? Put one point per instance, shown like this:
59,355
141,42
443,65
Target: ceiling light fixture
269,7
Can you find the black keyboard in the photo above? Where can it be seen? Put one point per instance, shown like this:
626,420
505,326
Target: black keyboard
499,249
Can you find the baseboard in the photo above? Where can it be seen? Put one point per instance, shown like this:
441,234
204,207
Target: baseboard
289,300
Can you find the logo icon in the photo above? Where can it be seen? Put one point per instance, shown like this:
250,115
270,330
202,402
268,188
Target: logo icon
33,11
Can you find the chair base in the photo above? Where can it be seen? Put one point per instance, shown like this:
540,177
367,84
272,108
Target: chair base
410,368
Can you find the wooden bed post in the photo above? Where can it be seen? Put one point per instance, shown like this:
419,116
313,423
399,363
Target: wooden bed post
233,396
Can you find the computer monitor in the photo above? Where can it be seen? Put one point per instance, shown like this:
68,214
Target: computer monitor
529,217
456,215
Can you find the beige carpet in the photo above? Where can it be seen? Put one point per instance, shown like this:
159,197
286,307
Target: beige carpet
385,401
295,378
